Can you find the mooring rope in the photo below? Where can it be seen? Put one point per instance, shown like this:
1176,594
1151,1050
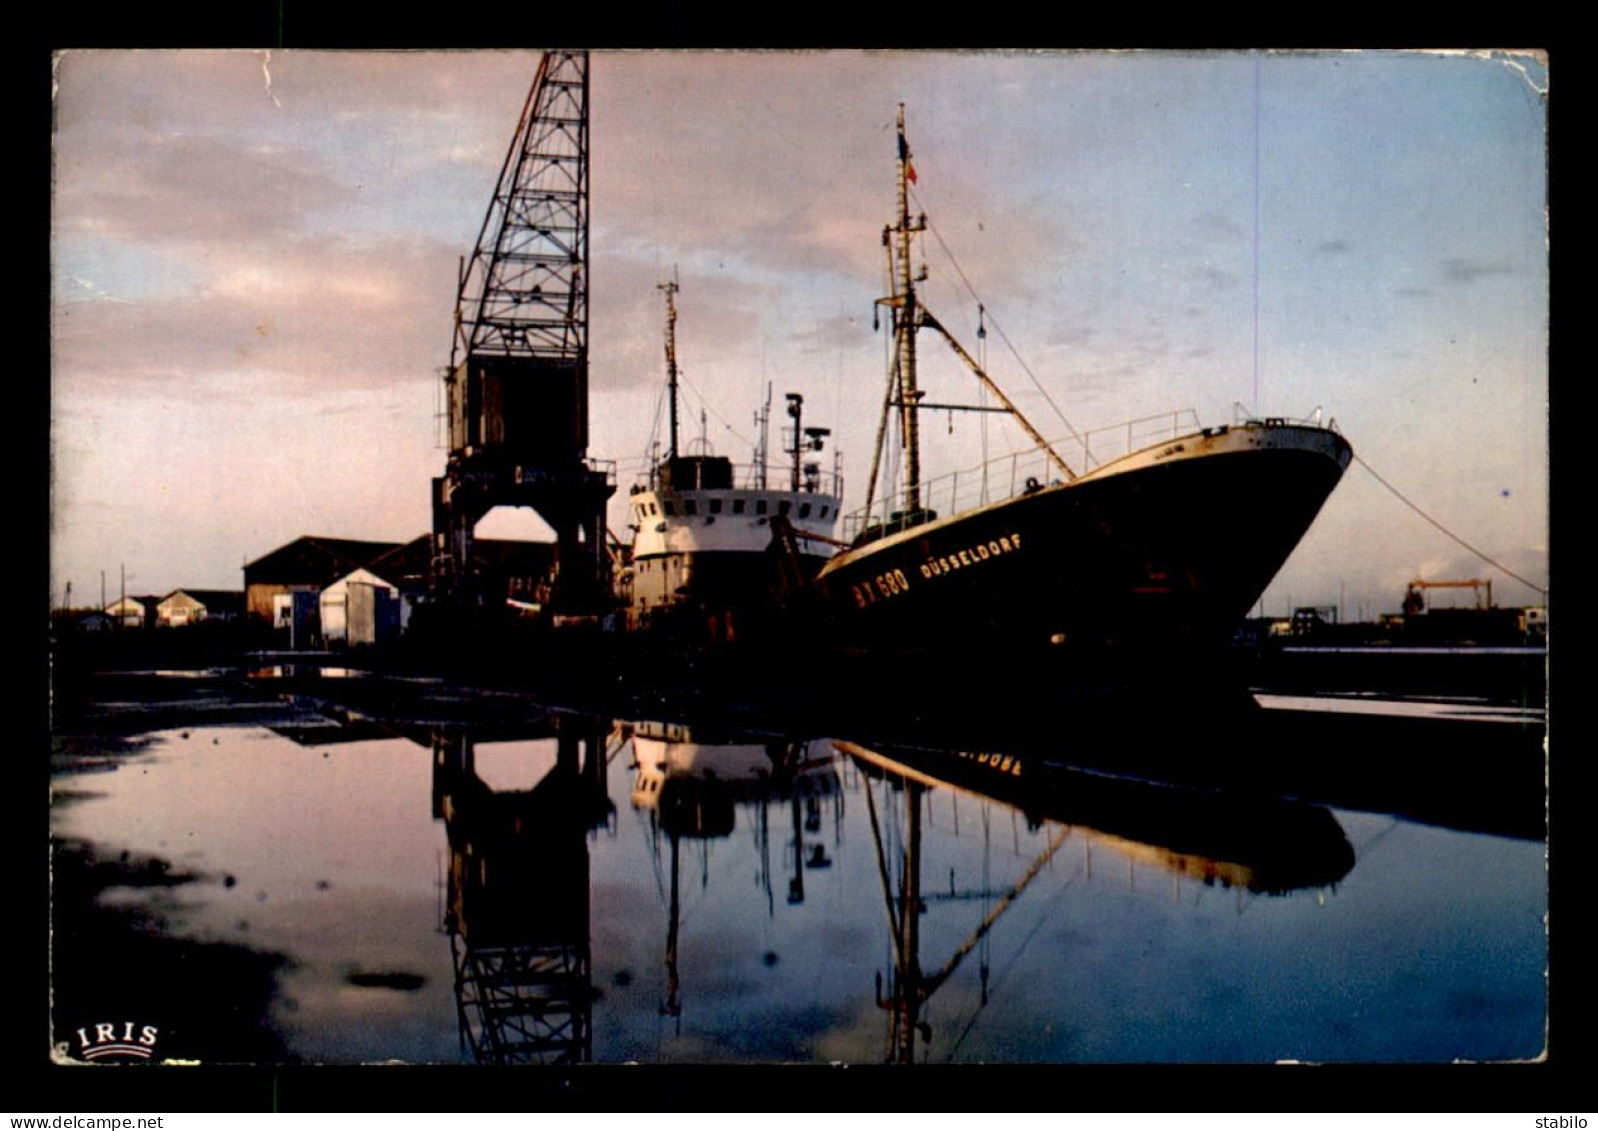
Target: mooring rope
1414,507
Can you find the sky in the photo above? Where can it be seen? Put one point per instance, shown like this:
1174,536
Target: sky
254,261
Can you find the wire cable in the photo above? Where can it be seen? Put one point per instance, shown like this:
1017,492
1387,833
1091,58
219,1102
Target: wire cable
993,322
704,403
1414,507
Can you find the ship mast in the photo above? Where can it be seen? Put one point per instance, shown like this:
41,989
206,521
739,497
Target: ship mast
908,317
671,358
905,319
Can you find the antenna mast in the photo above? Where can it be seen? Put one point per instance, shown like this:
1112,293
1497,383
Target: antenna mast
763,423
671,289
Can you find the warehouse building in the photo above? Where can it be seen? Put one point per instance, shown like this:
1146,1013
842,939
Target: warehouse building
308,564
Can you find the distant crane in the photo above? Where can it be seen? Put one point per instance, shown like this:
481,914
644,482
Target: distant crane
517,384
1415,596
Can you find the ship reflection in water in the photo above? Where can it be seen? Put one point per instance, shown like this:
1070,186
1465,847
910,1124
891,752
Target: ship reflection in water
693,784
593,890
691,789
1272,848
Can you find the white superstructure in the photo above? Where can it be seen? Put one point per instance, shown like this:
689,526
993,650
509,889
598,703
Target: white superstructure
725,520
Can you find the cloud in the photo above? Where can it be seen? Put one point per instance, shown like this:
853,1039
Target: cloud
1464,271
1214,226
839,332
1216,278
168,187
233,185
1069,335
803,156
306,316
226,91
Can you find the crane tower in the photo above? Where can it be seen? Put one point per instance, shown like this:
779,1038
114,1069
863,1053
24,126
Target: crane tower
517,383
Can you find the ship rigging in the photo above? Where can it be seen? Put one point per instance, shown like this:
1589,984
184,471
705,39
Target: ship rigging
907,314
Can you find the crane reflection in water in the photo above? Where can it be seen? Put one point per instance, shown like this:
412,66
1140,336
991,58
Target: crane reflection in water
518,893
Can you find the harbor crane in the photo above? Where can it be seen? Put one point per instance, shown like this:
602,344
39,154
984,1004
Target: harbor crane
517,383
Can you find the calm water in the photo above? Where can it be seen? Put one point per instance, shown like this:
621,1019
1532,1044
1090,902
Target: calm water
633,891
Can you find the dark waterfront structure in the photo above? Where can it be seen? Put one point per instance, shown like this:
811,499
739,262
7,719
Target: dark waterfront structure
505,570
517,384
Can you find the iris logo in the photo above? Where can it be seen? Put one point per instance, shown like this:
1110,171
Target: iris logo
109,1040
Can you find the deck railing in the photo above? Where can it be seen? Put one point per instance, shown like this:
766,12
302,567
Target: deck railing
1017,473
747,477
1316,418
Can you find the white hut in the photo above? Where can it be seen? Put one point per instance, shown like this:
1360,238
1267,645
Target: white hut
360,608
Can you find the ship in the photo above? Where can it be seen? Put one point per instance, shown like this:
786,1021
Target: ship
700,571
1155,535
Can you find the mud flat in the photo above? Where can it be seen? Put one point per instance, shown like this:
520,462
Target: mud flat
114,958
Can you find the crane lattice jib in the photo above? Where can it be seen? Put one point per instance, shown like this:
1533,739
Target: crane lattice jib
525,292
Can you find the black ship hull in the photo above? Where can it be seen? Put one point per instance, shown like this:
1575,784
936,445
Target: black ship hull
1157,553
707,597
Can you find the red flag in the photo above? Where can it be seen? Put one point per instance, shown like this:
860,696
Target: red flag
904,155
